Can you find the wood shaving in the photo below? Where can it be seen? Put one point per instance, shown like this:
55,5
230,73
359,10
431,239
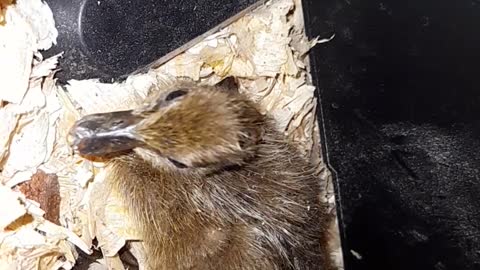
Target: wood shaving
15,208
44,189
3,9
265,49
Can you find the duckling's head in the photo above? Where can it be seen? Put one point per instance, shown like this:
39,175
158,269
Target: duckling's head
188,124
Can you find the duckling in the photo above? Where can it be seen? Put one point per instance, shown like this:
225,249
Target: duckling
209,181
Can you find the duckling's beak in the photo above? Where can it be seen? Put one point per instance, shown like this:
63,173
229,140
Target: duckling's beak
103,134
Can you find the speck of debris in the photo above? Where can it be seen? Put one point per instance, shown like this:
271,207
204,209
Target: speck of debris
356,254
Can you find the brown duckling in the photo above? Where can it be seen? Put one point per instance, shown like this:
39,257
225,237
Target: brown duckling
210,182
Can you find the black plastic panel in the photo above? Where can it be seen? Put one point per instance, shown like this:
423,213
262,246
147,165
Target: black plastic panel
400,111
110,39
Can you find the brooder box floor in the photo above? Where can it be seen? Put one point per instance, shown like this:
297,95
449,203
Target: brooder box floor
53,203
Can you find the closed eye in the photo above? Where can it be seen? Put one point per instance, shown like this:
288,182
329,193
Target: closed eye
165,100
176,94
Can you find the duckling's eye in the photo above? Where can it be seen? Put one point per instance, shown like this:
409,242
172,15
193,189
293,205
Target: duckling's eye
176,94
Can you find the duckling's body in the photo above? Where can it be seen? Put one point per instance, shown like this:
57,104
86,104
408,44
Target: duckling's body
215,188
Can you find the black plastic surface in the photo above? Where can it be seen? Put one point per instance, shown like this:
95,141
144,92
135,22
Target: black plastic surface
400,114
110,39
